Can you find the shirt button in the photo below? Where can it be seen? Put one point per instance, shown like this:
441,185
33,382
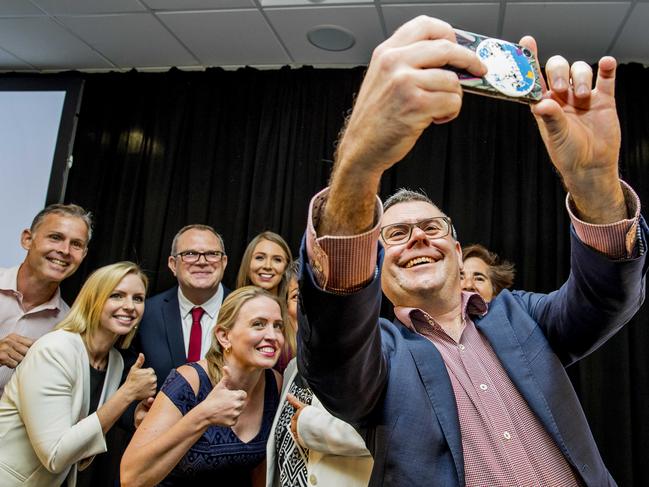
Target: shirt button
507,435
313,480
461,347
483,387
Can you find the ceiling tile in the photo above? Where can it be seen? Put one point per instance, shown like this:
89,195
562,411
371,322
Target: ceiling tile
18,7
227,38
310,3
9,62
179,5
481,18
633,43
553,26
73,7
130,40
292,26
46,45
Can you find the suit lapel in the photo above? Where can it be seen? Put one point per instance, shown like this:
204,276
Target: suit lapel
174,328
438,386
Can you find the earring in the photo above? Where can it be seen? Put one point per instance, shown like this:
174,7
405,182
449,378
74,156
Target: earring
227,348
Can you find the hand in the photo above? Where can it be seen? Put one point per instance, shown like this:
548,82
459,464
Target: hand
581,131
406,88
13,348
299,406
141,411
140,383
223,406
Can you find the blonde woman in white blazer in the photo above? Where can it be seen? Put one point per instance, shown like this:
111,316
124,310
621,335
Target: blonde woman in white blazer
45,426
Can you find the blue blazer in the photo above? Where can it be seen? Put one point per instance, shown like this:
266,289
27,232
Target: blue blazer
392,384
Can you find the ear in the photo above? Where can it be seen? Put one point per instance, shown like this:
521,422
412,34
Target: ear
458,250
171,263
222,336
224,261
26,239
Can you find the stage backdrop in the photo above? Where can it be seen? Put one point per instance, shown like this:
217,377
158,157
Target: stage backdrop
244,151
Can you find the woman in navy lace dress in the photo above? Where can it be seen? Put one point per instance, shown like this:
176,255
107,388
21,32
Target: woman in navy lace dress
210,422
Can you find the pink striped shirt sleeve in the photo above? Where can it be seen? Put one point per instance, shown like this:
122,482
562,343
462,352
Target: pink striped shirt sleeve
615,240
341,264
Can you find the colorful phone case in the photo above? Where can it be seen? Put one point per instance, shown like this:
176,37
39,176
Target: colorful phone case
513,71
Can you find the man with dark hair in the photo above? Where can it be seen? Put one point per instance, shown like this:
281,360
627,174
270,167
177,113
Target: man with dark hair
177,324
484,272
30,299
453,392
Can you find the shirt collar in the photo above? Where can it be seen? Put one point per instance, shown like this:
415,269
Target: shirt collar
472,304
9,284
211,306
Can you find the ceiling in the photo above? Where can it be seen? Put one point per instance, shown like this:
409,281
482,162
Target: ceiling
45,35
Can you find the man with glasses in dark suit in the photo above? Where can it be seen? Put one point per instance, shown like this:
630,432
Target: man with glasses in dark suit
177,323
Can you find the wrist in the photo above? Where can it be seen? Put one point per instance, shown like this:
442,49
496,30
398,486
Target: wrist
597,200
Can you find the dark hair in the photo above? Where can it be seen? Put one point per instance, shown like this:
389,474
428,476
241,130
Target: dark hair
195,226
501,272
70,210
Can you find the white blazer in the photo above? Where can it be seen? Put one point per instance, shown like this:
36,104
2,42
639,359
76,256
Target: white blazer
337,453
44,424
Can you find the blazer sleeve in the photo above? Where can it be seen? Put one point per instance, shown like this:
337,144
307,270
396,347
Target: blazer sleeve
340,347
600,296
325,433
50,405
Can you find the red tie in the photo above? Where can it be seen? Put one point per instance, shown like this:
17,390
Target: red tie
194,353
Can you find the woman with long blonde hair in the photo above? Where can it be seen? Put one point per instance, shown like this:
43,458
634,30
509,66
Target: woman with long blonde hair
64,396
211,419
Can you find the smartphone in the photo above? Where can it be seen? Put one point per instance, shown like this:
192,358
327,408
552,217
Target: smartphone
513,71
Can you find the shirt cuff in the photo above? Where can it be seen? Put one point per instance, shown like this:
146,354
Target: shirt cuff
341,264
616,240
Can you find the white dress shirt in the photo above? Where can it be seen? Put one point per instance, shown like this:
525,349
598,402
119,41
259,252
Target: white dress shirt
208,320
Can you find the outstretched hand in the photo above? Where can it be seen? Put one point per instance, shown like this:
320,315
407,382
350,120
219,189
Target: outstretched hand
581,130
141,383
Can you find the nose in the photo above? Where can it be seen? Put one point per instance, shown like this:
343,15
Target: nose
418,236
266,264
63,247
128,303
467,284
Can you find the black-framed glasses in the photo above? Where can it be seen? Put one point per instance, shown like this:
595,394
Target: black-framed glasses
399,233
191,256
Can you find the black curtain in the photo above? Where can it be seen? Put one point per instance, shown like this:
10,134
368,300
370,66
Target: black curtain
245,150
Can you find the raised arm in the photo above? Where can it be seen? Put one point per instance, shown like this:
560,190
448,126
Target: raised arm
581,131
165,435
404,91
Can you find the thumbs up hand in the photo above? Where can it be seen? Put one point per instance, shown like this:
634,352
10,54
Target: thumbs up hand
223,405
141,382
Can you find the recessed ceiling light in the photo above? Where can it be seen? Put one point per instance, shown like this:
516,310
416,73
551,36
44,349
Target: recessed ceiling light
331,38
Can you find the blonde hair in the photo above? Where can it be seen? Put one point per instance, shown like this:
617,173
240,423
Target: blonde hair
243,277
85,314
226,320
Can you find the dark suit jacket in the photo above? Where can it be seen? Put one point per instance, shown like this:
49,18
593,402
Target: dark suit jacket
159,338
393,386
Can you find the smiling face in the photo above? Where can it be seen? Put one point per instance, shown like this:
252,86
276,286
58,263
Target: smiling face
56,247
199,280
421,269
124,307
257,337
475,278
267,265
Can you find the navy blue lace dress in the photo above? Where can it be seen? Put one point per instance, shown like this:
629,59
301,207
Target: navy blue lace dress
219,457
